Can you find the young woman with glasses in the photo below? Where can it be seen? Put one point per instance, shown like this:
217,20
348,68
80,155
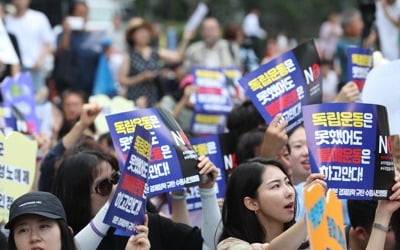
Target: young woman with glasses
84,184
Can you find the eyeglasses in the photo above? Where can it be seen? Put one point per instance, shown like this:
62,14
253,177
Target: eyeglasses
105,186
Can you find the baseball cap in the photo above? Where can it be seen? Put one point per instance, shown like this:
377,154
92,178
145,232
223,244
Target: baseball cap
39,203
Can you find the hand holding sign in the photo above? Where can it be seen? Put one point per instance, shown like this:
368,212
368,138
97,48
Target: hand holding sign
275,137
207,168
141,240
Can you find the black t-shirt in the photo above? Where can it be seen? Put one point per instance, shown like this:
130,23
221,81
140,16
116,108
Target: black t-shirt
164,234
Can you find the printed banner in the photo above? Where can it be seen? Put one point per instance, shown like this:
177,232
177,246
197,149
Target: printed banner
212,94
359,65
349,143
17,173
324,219
286,83
173,163
128,205
210,147
19,94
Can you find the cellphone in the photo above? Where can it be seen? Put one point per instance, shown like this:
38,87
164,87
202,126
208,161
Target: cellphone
75,22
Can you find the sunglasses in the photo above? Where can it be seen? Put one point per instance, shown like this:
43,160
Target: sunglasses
105,186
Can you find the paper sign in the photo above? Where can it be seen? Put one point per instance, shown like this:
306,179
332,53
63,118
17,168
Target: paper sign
236,91
109,106
7,52
19,93
208,124
196,18
173,163
213,101
324,219
212,94
128,205
359,65
208,146
349,143
17,169
286,83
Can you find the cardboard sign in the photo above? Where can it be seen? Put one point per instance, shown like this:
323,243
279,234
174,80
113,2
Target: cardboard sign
128,205
109,106
7,52
208,146
359,65
286,83
19,93
173,163
17,169
324,219
349,143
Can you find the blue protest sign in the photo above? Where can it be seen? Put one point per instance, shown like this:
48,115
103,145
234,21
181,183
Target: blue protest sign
19,94
208,146
286,83
208,124
349,143
359,65
128,205
212,94
173,163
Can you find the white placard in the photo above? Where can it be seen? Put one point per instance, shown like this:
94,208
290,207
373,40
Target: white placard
196,18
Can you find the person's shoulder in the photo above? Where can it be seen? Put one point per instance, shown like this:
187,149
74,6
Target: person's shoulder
196,46
232,243
36,14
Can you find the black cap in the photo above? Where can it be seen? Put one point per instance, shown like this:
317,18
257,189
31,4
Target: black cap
40,203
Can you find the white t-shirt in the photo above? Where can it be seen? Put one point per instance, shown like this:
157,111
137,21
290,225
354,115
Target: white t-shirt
251,26
32,31
388,33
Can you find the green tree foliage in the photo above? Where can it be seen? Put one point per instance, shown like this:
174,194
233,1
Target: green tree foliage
298,18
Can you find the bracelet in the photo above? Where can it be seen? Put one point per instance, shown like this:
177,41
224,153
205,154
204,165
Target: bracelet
381,227
178,196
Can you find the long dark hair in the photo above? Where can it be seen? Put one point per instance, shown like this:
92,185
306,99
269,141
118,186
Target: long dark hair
73,182
67,239
238,221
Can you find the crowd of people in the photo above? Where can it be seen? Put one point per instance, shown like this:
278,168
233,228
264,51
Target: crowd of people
77,169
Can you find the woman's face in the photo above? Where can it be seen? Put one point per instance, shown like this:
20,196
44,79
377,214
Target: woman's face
37,232
275,197
141,37
96,200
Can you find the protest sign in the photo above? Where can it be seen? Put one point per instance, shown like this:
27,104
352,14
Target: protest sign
17,169
109,106
212,102
207,124
349,143
173,163
324,219
359,64
197,16
208,146
286,83
128,205
19,93
381,87
7,52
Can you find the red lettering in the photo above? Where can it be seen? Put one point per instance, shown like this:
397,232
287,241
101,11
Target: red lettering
133,185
